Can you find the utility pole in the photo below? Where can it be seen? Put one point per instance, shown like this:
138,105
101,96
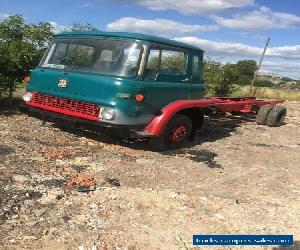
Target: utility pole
252,86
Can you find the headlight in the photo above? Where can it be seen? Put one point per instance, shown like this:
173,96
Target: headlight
107,113
27,97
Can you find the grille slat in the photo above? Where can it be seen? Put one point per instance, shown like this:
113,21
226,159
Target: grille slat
66,106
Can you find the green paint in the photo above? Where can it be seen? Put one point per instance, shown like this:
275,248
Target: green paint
161,84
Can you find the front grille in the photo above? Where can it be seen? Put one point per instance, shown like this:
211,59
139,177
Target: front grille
75,108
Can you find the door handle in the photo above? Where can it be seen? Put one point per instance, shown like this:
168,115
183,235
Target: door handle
188,79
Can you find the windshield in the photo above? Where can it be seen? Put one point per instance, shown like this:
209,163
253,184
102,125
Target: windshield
100,56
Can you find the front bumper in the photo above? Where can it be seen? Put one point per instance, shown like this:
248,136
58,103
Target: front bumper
74,122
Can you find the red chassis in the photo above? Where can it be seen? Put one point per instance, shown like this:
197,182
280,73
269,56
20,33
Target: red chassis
248,105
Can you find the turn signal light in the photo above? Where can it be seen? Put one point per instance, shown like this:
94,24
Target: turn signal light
139,97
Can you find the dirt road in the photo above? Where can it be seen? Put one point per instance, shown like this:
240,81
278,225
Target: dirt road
239,178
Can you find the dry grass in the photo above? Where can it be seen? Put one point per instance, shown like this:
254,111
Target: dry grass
269,93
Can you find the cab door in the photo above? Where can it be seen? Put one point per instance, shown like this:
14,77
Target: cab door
197,88
165,78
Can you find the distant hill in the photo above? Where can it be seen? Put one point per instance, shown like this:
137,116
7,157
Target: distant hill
265,80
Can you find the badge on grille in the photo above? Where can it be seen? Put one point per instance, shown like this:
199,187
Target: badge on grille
63,83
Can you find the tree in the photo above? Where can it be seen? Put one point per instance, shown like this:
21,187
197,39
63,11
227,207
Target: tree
264,83
21,48
286,79
213,75
231,73
246,69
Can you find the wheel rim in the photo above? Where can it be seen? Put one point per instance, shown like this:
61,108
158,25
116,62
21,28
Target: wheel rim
178,134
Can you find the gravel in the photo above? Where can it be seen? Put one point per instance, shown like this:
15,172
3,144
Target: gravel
238,178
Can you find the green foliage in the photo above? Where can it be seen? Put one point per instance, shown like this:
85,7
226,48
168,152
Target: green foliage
21,48
264,83
153,63
231,73
172,64
286,79
79,57
244,80
247,67
214,78
221,79
246,70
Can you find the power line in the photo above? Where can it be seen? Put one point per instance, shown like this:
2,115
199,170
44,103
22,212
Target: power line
177,7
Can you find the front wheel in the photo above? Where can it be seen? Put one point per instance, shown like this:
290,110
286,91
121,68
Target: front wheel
175,134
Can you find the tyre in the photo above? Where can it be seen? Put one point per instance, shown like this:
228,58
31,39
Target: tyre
276,116
262,114
175,134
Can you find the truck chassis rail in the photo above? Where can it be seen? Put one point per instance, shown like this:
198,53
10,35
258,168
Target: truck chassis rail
246,105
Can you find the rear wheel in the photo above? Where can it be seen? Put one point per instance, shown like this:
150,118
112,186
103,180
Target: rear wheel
262,114
276,116
175,134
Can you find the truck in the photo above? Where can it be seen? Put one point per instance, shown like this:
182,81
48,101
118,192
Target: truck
132,85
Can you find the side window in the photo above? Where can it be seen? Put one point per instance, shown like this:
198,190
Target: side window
172,62
152,64
196,66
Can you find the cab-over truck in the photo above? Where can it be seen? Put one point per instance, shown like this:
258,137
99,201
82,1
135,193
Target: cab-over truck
132,85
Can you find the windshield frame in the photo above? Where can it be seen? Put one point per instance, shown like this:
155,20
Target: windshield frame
64,38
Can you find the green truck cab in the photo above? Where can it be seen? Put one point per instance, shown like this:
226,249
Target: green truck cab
117,82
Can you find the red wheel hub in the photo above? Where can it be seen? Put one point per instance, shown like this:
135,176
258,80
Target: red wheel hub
178,134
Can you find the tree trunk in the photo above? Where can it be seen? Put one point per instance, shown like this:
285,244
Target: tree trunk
10,95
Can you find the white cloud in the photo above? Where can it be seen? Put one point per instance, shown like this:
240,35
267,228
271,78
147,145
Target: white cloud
87,5
261,19
157,26
58,28
239,49
221,48
285,59
194,7
282,68
292,52
282,65
4,15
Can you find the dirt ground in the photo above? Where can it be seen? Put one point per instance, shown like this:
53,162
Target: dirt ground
238,178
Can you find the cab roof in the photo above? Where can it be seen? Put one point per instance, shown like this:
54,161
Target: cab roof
137,36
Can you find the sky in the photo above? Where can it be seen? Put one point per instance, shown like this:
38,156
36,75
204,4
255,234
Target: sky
227,30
